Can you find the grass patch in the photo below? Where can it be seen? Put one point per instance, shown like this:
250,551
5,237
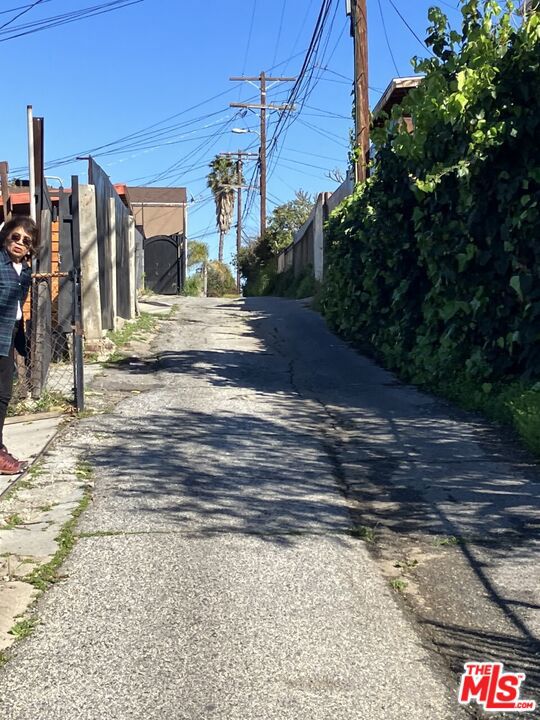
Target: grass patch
46,575
406,565
48,402
22,484
363,533
449,540
83,470
11,521
398,584
512,403
35,470
86,413
115,357
144,323
24,628
193,286
3,658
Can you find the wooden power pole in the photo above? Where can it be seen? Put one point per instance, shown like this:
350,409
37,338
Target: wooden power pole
262,107
358,11
240,174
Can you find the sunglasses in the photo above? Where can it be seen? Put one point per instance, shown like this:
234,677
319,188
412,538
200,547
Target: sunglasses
24,239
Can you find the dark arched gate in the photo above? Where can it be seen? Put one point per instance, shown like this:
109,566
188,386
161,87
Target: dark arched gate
164,264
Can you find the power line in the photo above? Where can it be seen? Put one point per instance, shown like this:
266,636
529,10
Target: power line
142,133
310,54
299,162
66,18
302,24
279,30
20,7
325,133
292,168
329,113
250,32
306,152
392,3
23,12
387,39
311,82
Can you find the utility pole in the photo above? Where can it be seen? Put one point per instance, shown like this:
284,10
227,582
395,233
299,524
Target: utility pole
262,107
263,154
239,168
240,174
358,12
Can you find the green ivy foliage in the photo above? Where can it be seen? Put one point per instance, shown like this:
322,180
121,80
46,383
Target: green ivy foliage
434,262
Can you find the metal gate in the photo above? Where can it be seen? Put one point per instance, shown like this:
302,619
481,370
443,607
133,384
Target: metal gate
53,368
164,259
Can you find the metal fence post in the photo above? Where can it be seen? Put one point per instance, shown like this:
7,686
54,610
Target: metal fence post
76,315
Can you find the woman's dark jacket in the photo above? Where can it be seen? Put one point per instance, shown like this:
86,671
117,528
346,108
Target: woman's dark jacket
13,289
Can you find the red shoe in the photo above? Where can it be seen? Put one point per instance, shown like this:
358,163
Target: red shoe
10,465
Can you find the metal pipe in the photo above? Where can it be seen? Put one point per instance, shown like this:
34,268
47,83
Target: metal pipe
31,163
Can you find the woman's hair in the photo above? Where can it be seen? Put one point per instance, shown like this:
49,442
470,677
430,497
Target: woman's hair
27,224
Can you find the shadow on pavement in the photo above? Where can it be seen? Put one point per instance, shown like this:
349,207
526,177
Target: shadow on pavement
304,408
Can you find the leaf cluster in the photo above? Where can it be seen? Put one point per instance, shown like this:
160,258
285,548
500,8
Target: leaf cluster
220,279
223,179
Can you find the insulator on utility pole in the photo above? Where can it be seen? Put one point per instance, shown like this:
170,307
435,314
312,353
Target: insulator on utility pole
262,79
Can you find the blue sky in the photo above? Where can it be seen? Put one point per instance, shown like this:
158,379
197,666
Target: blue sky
103,78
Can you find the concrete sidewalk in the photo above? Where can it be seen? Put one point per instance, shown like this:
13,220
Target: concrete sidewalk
26,437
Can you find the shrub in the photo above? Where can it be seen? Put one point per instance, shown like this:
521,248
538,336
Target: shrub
193,286
220,280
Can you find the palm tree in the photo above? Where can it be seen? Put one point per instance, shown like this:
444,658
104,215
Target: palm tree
223,181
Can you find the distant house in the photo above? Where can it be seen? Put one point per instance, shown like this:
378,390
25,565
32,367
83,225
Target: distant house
394,94
160,215
157,210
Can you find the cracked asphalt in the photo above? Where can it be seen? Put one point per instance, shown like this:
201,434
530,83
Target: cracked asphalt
218,574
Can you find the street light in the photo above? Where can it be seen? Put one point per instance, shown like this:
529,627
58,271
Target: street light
243,131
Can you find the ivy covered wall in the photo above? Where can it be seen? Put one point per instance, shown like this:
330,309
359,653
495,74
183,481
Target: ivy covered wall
434,263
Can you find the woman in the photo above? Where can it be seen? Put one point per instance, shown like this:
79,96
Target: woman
18,242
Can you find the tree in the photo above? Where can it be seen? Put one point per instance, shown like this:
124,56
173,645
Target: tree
258,257
220,279
223,180
287,219
197,253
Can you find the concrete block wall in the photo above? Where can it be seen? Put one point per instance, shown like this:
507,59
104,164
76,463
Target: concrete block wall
95,251
307,247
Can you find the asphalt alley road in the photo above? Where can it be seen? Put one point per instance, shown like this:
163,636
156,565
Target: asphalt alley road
216,575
